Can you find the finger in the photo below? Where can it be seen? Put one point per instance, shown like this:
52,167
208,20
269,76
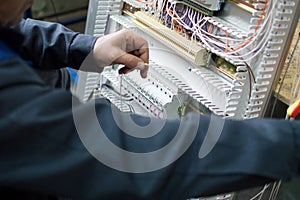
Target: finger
144,72
137,45
132,62
126,70
144,54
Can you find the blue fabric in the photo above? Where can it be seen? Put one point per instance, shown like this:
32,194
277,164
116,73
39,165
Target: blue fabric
52,46
73,75
6,52
28,14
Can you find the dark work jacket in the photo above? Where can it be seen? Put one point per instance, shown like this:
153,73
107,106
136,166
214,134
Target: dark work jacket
41,131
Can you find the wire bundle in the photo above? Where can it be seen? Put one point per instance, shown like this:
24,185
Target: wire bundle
214,36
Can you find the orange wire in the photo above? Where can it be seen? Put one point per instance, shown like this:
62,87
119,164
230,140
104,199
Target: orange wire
146,3
227,42
173,15
177,25
255,30
210,27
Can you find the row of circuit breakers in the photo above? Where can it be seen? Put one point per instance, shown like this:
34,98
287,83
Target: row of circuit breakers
206,56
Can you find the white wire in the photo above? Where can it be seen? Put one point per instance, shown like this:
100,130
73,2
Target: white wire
261,192
274,191
224,38
262,31
217,43
277,190
162,9
259,45
179,20
154,8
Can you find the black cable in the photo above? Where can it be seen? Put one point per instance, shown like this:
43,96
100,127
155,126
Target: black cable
55,11
251,76
285,73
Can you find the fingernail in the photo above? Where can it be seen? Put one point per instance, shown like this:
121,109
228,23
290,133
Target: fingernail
144,74
140,65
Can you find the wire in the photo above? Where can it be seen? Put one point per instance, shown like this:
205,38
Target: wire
146,2
247,51
259,195
274,191
242,49
256,28
125,97
54,10
255,50
251,76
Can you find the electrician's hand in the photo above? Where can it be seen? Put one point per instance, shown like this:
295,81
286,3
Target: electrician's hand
122,47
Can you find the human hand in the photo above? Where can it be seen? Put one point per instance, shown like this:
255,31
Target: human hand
122,47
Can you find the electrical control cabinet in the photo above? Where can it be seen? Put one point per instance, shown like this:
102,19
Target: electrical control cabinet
206,56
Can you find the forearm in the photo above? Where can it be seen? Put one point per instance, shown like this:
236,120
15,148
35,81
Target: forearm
248,153
52,46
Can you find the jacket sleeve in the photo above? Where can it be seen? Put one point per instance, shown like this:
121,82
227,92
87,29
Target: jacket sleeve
52,46
42,150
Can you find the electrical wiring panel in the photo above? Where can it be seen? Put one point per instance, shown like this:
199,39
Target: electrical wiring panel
206,56
217,56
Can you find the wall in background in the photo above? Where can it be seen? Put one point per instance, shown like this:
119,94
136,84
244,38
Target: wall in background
70,12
